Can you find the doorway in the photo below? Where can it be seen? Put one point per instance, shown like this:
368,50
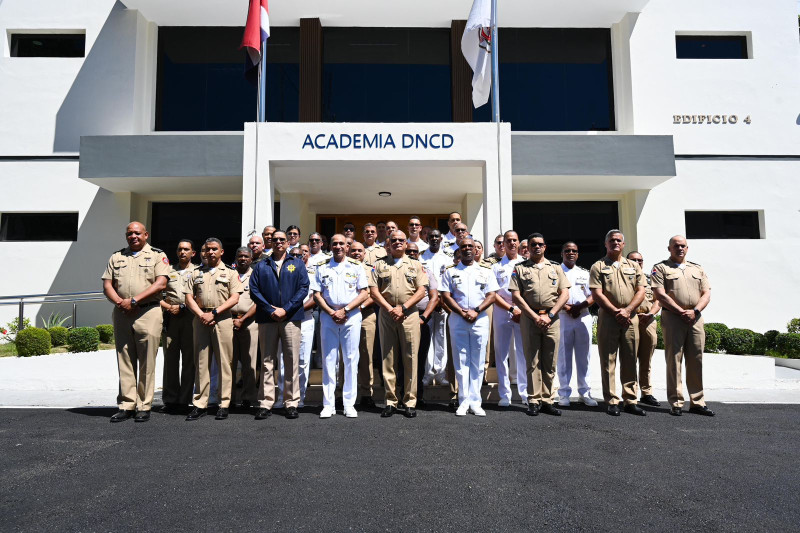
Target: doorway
334,223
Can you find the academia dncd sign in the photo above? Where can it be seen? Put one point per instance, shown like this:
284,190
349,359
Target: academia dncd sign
378,141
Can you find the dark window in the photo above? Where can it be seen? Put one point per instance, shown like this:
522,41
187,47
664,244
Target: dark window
173,221
48,45
386,75
39,227
711,46
585,223
722,225
554,79
201,84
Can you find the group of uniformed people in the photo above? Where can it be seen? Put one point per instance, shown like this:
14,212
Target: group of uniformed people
430,304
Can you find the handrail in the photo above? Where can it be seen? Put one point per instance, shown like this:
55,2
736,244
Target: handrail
59,297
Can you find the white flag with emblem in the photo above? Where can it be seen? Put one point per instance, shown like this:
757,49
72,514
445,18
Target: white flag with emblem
476,45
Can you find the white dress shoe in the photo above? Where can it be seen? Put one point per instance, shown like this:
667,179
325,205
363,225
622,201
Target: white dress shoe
588,400
504,402
327,412
462,410
350,412
563,401
477,410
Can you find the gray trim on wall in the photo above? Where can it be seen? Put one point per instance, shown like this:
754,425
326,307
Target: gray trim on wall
592,155
114,156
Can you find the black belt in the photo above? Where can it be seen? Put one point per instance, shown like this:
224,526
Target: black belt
148,304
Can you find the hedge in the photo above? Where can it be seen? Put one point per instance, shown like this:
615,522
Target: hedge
106,332
33,341
788,344
738,341
793,326
84,340
772,336
719,328
59,335
713,339
760,344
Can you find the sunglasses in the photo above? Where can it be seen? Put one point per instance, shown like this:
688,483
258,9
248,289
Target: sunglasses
537,245
279,239
397,240
314,240
297,255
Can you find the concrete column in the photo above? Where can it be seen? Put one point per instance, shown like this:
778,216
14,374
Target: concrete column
505,210
491,199
257,191
621,33
294,211
472,212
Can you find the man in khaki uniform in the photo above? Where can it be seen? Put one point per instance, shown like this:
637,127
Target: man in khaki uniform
133,281
396,284
684,292
648,336
212,291
178,334
373,248
540,289
618,287
256,246
245,334
367,340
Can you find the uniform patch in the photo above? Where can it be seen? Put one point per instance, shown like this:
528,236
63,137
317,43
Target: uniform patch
290,268
165,260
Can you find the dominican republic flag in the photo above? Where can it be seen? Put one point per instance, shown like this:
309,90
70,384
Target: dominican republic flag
476,45
256,30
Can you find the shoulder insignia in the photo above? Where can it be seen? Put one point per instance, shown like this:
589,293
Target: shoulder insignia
451,266
157,250
120,251
485,264
321,263
581,268
555,263
354,261
693,263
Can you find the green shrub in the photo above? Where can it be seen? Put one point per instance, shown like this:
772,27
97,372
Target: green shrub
771,336
793,326
33,341
59,335
84,340
788,344
719,328
738,341
106,332
713,339
659,333
759,344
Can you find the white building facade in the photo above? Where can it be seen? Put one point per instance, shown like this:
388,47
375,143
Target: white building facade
659,117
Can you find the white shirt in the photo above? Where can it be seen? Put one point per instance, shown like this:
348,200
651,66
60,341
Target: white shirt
448,240
436,263
579,291
432,285
339,283
468,285
318,258
502,272
421,245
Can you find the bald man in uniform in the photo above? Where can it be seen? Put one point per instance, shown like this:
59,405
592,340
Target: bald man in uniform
133,281
397,283
266,235
683,289
618,287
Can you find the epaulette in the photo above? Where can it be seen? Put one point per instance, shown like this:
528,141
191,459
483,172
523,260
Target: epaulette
354,261
491,260
321,263
693,263
451,266
485,264
578,267
121,251
449,253
555,263
157,250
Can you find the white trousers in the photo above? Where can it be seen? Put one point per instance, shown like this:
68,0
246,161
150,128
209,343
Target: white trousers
576,337
348,336
469,356
437,352
306,345
505,330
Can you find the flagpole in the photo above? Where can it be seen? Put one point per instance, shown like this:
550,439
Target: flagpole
262,84
495,66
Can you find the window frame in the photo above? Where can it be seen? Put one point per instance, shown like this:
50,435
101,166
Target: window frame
746,35
760,230
5,214
11,33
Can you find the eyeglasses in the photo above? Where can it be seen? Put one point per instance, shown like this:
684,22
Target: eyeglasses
397,240
570,252
314,240
412,252
640,261
414,224
297,255
279,239
292,233
536,245
499,243
460,230
350,229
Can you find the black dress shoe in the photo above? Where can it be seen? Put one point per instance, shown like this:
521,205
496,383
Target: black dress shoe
613,410
196,414
633,409
675,411
549,409
263,414
122,415
533,409
410,412
222,414
367,402
453,404
291,413
168,409
421,404
388,411
142,416
697,410
246,404
649,399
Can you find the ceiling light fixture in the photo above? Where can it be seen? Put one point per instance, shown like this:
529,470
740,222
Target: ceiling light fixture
385,194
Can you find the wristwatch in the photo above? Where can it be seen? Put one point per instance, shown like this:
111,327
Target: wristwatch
346,309
511,309
696,312
214,312
133,302
550,315
477,309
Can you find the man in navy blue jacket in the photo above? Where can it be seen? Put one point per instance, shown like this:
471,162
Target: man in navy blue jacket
278,286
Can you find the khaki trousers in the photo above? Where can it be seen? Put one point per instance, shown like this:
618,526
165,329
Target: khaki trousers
245,350
611,338
648,338
213,341
541,356
682,340
366,349
289,335
178,343
136,337
399,342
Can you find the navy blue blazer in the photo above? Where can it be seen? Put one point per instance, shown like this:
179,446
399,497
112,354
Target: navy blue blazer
288,291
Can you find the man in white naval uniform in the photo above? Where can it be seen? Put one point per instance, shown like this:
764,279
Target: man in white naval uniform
506,324
576,330
450,239
414,229
469,290
340,286
436,261
315,249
